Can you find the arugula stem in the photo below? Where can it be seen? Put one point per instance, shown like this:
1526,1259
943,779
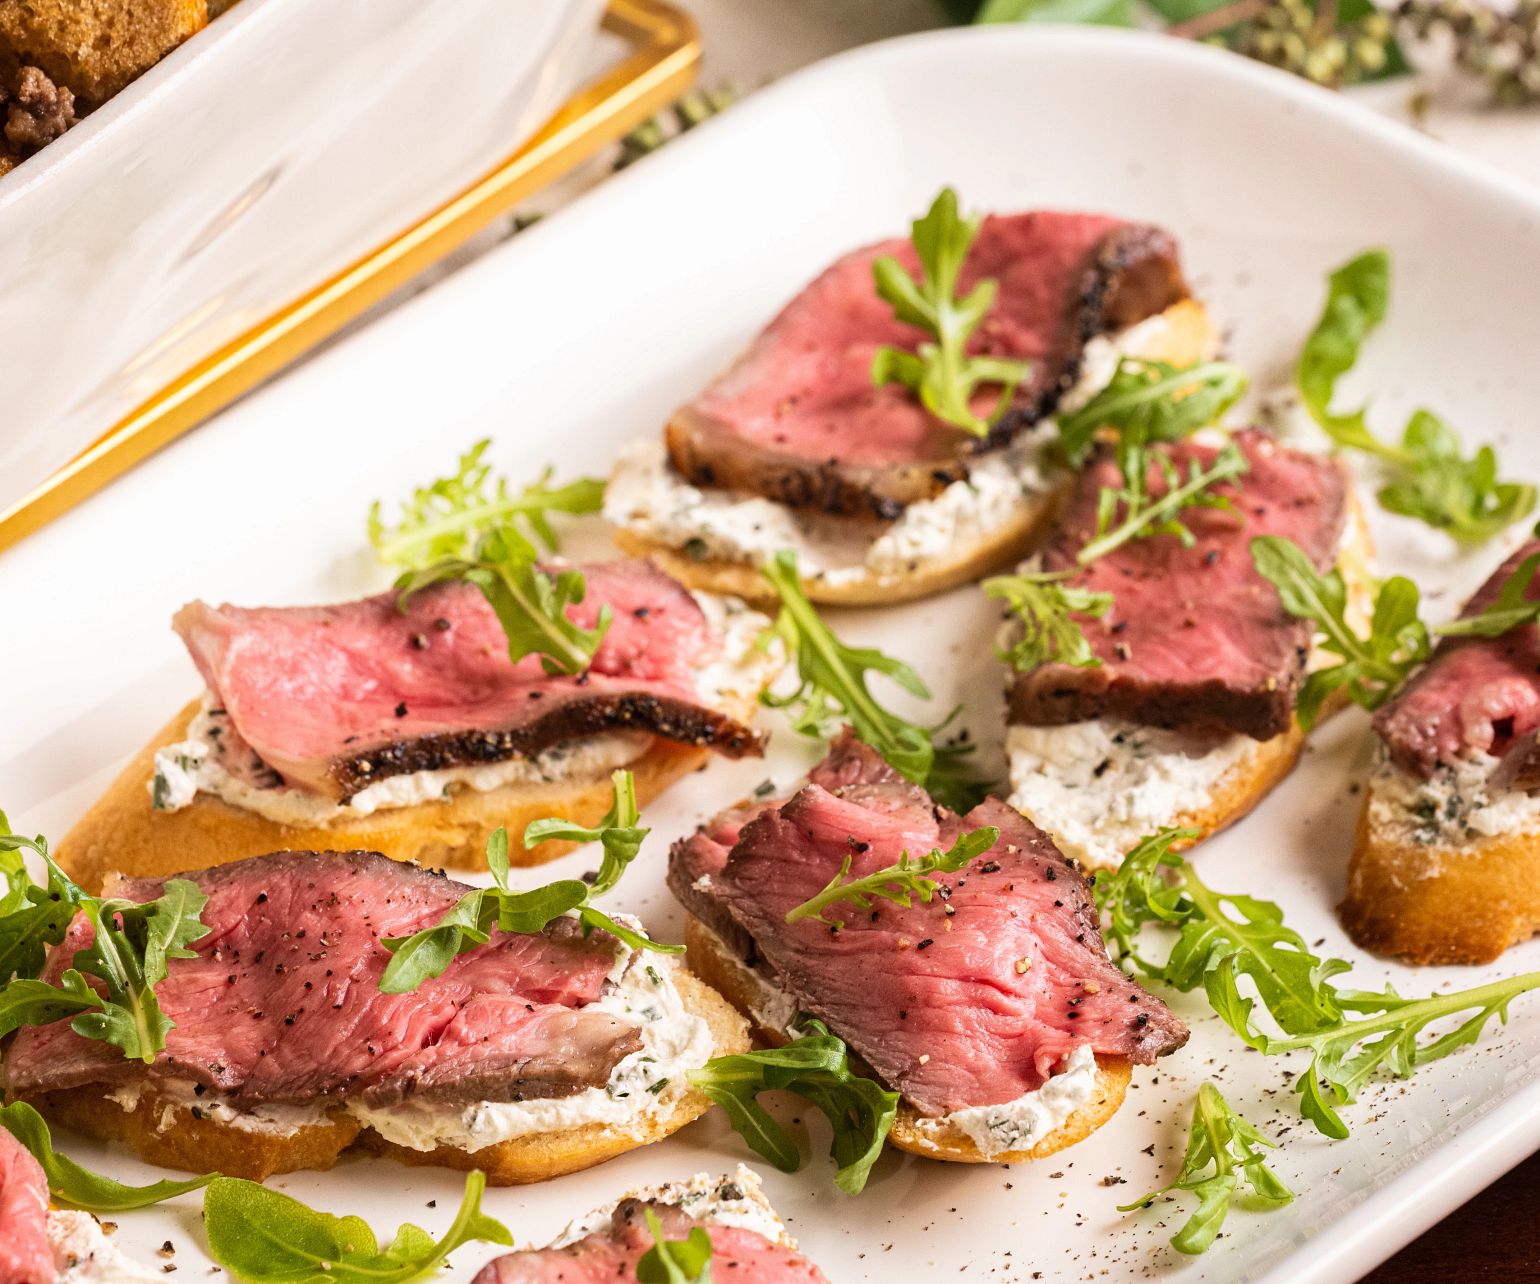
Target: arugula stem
1167,505
1494,995
391,548
571,658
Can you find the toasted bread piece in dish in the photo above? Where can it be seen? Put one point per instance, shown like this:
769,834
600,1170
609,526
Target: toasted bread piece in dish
748,1240
1188,717
533,1055
793,447
96,47
360,726
1446,867
992,1008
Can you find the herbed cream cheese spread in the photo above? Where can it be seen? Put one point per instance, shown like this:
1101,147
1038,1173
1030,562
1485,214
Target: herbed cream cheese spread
194,765
727,1201
646,495
82,1253
1099,787
1452,808
1022,1123
640,991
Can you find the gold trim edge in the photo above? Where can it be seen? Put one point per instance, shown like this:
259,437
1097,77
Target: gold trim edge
660,67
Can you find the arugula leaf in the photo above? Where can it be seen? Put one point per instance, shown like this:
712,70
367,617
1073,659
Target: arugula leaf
268,1238
1149,401
1223,1142
31,917
816,1068
833,690
446,519
1357,296
1430,478
1353,1033
1371,667
1511,609
897,883
1044,608
469,923
1143,517
532,604
942,372
128,954
1449,492
674,1261
69,1183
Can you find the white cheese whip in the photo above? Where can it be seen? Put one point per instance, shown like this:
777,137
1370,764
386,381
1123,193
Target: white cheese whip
646,495
728,1201
1452,809
82,1253
192,765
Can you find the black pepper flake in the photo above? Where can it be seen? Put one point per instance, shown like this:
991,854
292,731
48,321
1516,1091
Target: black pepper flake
401,709
441,624
926,943
990,867
261,900
419,642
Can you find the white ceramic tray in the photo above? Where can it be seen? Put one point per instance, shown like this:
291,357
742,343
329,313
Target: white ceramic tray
586,331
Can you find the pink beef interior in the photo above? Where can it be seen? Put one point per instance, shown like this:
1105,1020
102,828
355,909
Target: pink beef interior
335,697
1476,695
1195,637
612,1253
25,1254
282,1001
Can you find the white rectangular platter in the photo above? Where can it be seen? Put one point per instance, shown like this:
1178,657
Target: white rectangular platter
588,330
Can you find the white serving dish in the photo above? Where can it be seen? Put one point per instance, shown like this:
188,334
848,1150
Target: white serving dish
261,157
586,331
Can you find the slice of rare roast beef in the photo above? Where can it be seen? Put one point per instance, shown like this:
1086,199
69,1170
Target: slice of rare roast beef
336,698
612,1251
796,417
281,1002
26,1256
1195,638
1475,696
971,999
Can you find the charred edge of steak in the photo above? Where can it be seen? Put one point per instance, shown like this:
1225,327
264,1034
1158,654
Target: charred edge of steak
1261,713
509,1083
1134,274
670,719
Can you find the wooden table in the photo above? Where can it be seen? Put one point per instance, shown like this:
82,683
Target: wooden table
1494,1237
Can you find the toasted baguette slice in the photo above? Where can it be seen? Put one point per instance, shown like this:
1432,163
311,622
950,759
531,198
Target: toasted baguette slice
171,1135
1188,335
97,47
123,834
1439,901
710,960
1257,768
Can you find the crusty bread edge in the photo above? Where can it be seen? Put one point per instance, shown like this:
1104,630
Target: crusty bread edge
714,964
1436,904
122,833
204,1145
1190,336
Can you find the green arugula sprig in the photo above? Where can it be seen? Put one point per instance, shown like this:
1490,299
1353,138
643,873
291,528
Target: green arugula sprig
265,1237
674,1261
131,945
447,518
467,528
1374,665
1138,516
833,690
70,1183
1223,1150
1430,479
428,953
1148,401
1223,937
940,371
816,1068
32,917
911,877
1044,607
